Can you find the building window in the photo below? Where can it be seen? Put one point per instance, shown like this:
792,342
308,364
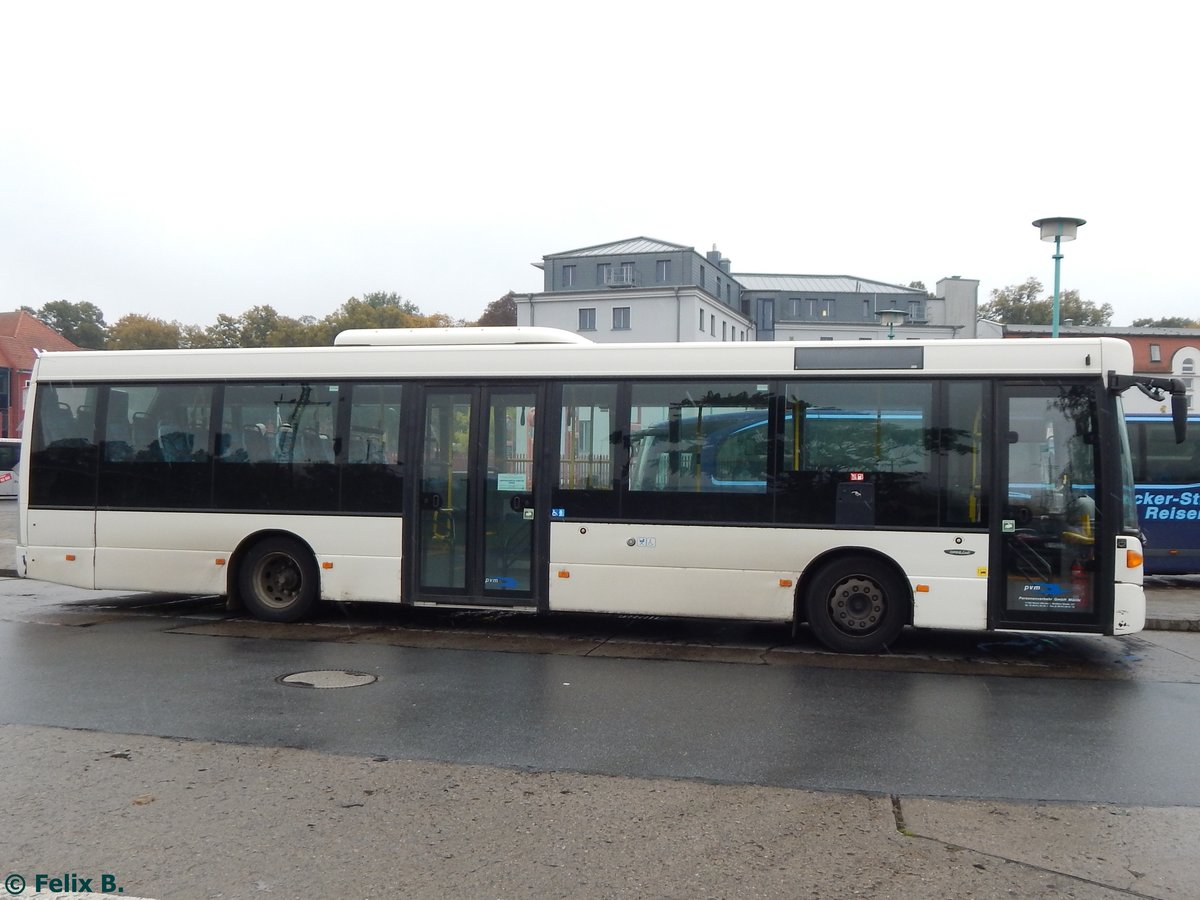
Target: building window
568,276
914,310
724,331
603,273
1155,353
766,314
701,282
866,309
587,318
702,318
819,309
662,271
621,318
712,325
624,274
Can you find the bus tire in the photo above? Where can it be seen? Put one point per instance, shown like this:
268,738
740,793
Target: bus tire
857,604
278,580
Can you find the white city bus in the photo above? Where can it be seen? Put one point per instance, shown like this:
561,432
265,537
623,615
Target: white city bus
858,487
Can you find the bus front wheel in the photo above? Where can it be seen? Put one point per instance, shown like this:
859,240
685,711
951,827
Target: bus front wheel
857,605
278,580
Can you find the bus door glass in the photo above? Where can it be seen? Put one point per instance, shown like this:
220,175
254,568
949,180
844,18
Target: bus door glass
1048,466
477,526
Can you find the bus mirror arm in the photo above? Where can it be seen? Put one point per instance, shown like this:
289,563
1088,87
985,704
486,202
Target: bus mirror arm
1155,389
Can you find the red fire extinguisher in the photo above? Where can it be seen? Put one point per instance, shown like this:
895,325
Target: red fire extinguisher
1081,586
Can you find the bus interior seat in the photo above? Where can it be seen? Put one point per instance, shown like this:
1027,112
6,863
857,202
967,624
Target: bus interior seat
255,443
314,447
285,443
143,432
58,424
85,420
174,442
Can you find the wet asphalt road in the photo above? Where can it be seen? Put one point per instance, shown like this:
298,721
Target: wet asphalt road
1092,720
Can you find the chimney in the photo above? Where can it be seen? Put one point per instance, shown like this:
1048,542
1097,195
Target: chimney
719,261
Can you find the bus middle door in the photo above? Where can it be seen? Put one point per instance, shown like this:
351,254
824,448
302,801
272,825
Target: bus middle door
478,534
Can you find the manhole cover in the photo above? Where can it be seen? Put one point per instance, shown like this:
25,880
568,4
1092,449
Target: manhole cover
327,678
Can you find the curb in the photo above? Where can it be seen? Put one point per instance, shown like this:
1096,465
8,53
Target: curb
1156,624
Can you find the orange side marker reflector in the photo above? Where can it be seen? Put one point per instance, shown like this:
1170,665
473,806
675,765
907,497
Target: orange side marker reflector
922,589
1133,559
563,573
326,565
70,557
785,582
219,562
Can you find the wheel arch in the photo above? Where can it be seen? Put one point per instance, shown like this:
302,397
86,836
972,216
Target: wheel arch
821,560
239,555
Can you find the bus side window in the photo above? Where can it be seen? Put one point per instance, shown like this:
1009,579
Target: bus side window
585,437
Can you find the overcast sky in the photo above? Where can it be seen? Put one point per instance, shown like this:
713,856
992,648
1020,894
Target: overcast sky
184,160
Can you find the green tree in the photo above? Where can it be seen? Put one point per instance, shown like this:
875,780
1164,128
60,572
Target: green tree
385,300
502,311
1166,322
135,332
193,337
377,310
80,323
225,332
289,332
1021,304
257,323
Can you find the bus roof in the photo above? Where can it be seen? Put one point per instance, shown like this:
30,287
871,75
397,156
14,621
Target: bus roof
1057,357
444,337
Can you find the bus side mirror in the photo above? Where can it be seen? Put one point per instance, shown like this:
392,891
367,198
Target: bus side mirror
1179,411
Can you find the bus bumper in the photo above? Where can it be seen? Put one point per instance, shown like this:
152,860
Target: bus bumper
1129,608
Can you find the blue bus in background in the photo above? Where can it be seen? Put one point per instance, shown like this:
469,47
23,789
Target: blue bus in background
1167,476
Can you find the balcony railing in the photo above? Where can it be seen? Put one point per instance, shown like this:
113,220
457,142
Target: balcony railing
620,277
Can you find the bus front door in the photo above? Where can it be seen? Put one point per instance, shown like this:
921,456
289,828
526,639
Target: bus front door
477,535
1046,575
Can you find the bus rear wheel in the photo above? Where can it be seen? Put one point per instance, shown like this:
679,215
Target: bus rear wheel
857,605
278,580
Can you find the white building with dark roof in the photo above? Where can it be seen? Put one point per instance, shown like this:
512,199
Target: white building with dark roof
644,289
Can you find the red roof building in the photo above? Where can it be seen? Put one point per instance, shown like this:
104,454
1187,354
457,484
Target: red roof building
1163,352
22,336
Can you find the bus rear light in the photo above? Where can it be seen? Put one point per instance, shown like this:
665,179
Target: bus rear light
1133,559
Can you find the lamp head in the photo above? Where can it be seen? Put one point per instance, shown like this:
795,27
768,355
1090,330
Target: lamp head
1062,228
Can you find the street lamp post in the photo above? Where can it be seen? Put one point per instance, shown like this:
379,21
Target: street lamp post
891,318
1057,229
